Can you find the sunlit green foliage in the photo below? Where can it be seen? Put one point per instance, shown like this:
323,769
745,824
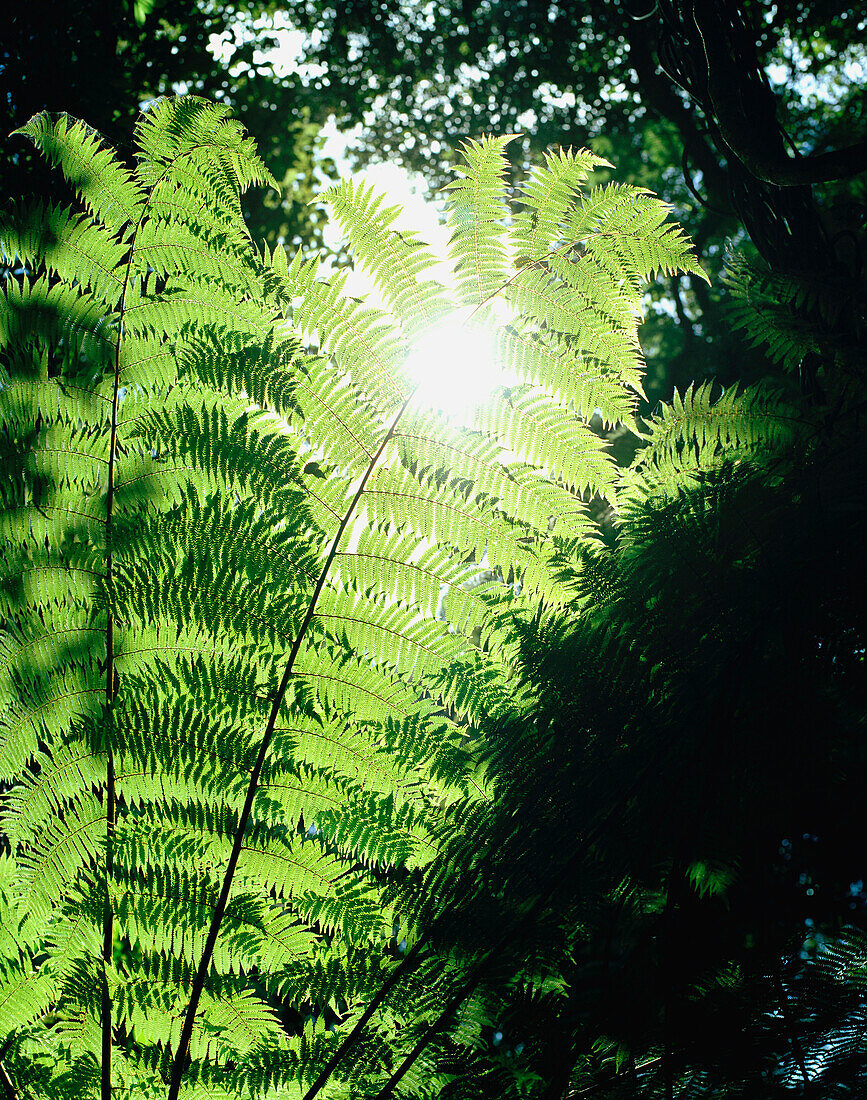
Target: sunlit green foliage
232,543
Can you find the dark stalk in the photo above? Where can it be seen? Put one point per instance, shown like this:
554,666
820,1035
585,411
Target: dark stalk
6,1082
180,1061
107,914
111,681
110,677
474,976
110,692
408,963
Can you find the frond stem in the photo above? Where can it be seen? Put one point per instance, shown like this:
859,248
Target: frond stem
181,1059
110,792
407,964
107,914
5,1079
110,685
565,249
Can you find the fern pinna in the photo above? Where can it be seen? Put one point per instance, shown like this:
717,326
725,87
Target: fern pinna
250,593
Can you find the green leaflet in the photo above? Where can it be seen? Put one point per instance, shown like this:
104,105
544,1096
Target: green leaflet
698,432
216,467
478,248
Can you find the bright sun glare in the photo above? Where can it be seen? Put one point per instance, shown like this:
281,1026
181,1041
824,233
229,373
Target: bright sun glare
455,367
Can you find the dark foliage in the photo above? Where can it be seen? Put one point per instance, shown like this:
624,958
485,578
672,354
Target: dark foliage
96,59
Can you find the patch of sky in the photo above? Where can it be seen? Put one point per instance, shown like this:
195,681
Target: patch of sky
837,76
284,58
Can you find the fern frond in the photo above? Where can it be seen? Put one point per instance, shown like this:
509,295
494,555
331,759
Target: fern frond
394,259
69,246
477,208
344,426
363,342
107,189
197,254
228,447
431,578
548,196
450,517
539,431
623,230
24,997
43,316
796,314
68,848
50,788
264,371
255,599
695,426
196,152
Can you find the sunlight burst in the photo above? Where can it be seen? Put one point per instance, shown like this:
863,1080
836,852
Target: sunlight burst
455,367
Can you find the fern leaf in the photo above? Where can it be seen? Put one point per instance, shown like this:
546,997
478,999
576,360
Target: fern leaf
394,259
105,187
549,196
477,208
254,599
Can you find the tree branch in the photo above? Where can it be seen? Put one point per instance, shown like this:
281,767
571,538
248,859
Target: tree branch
754,137
658,94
